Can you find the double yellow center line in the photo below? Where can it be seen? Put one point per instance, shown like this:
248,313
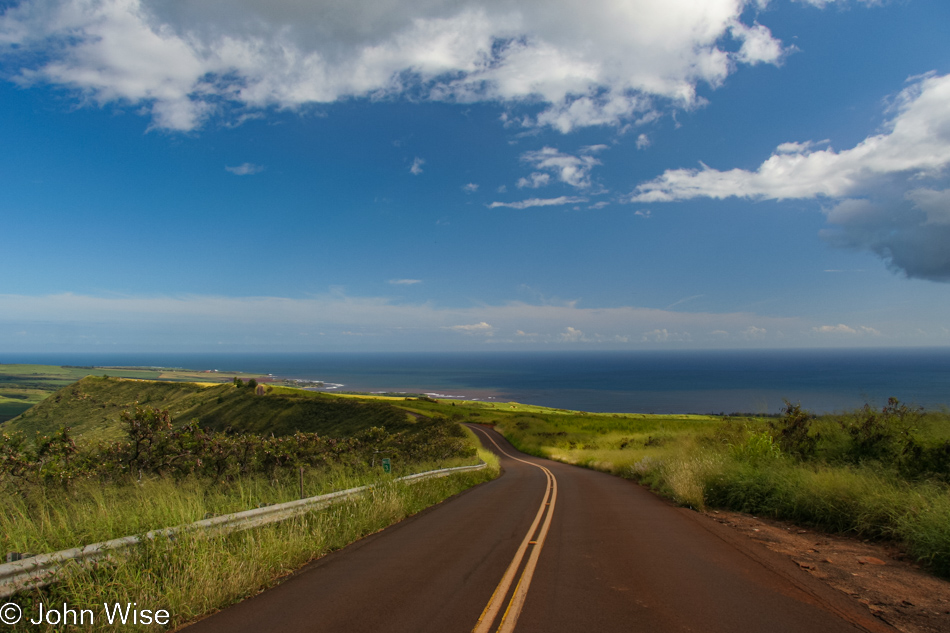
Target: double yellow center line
513,610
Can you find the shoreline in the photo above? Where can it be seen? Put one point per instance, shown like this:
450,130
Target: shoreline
727,382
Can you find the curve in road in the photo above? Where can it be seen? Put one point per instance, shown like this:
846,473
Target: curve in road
548,502
613,557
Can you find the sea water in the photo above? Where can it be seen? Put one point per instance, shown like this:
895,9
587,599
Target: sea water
748,381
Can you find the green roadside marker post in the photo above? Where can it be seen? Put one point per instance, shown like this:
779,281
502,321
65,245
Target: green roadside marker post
387,465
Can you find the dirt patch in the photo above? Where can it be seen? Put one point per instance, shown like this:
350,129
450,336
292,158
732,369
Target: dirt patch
879,575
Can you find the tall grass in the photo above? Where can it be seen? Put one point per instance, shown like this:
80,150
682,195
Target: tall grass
194,574
869,502
47,518
872,474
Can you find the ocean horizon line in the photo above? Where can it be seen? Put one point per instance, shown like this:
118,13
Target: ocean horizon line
673,381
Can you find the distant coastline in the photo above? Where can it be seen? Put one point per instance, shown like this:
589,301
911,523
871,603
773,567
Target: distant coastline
623,382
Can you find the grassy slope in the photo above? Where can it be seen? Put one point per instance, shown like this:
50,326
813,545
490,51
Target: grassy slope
285,410
92,407
736,463
572,436
22,386
186,572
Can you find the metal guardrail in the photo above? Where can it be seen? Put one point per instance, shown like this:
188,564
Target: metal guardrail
38,571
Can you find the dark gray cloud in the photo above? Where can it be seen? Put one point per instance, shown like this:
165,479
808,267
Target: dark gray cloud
909,237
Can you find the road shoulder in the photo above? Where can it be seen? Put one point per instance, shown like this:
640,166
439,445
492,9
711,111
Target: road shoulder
878,576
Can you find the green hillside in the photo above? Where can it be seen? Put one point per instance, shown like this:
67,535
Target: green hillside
92,408
22,386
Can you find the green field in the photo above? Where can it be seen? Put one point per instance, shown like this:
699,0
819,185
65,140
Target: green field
22,386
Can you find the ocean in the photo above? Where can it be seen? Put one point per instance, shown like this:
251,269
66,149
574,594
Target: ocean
623,382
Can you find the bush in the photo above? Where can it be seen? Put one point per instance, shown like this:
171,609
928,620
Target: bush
759,447
872,473
153,447
795,435
883,436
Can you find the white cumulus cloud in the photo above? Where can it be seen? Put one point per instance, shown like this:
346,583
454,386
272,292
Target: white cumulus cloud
571,170
889,193
841,328
535,180
601,62
571,334
474,328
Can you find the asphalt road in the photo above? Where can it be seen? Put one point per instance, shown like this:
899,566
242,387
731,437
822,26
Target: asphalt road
549,548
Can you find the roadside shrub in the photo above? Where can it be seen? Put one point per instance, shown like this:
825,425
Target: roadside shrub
925,528
757,448
747,487
152,447
17,461
882,436
932,461
51,459
795,435
686,478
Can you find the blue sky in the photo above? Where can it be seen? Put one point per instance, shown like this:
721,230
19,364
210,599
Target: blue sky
474,175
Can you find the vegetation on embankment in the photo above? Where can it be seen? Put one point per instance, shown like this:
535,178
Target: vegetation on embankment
194,575
22,386
873,473
92,409
33,476
62,494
